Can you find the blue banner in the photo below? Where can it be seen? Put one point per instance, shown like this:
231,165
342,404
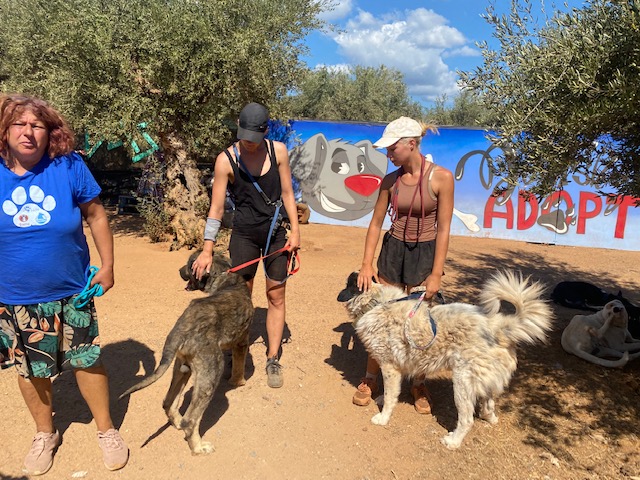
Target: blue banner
338,173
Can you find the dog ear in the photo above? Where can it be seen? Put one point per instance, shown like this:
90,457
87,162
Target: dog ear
185,274
351,289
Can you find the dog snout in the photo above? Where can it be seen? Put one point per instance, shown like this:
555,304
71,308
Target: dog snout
192,285
345,295
617,309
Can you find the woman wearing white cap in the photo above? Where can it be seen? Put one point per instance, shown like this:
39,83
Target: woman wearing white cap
419,197
258,174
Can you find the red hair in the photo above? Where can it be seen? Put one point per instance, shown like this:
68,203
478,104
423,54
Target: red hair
61,137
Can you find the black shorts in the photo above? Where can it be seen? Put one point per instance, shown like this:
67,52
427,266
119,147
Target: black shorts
403,263
245,246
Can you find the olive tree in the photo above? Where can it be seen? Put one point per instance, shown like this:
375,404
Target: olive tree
183,67
564,95
462,110
353,94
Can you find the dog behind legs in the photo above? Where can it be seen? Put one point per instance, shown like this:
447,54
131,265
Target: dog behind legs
208,326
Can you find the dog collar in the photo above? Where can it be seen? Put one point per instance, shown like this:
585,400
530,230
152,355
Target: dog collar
411,296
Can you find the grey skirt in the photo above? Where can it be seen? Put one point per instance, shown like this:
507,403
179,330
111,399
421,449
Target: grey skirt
405,263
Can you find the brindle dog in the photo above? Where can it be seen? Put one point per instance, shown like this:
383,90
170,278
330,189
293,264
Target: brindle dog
209,325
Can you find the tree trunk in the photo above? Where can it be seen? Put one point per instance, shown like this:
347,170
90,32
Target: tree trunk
185,200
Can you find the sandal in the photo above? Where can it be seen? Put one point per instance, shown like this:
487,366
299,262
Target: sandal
366,389
421,399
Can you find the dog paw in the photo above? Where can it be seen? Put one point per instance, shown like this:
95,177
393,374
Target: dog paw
29,209
379,419
204,448
237,382
175,420
450,441
492,419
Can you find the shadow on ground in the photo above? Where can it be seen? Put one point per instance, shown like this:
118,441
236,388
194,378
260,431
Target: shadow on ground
550,387
123,360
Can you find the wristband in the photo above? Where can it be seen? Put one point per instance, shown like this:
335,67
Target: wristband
211,229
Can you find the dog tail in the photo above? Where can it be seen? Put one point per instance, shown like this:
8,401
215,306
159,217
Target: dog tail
532,317
603,362
169,350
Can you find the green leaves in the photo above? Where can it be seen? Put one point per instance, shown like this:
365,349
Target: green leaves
184,67
569,82
40,369
354,94
83,356
465,111
77,318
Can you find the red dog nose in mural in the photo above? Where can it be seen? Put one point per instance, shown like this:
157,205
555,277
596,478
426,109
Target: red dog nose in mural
364,184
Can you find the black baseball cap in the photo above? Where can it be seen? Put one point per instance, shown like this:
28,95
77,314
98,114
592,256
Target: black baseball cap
252,123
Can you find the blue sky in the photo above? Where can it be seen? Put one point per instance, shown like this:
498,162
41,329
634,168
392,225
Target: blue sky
425,40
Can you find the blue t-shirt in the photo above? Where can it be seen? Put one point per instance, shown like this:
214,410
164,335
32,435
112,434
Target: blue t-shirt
43,252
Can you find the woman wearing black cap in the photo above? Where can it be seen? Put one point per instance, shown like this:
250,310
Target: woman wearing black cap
258,175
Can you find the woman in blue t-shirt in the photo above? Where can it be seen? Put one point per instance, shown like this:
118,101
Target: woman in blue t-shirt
45,191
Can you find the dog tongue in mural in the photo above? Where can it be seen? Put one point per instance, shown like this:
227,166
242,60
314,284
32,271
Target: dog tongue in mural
338,179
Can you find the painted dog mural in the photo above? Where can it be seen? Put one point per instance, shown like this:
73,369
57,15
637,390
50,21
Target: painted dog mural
338,179
338,173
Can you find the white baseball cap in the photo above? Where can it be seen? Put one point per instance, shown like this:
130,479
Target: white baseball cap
403,127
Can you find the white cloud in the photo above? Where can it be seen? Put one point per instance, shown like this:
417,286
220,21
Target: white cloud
340,9
415,42
465,51
335,68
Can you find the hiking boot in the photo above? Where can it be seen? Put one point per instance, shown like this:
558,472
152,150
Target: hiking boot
274,373
115,453
367,388
421,399
40,458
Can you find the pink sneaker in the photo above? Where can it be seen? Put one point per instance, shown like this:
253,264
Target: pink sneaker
40,458
114,451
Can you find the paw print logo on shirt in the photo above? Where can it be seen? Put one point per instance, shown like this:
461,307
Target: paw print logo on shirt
29,210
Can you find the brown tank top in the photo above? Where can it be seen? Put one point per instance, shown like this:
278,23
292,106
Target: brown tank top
414,222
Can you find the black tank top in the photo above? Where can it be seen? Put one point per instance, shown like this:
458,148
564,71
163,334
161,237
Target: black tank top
252,209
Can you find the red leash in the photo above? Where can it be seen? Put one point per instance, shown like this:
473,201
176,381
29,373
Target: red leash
293,264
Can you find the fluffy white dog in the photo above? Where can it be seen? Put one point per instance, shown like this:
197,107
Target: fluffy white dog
476,343
602,334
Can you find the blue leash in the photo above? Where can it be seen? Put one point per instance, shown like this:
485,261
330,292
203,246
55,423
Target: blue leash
88,292
420,297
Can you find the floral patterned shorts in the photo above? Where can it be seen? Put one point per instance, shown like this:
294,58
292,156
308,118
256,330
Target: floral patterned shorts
44,339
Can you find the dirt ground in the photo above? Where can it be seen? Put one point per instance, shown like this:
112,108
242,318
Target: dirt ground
561,418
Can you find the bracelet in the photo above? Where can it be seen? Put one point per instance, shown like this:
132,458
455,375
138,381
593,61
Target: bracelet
211,229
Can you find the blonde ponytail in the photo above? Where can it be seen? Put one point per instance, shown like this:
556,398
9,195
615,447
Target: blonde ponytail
428,127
